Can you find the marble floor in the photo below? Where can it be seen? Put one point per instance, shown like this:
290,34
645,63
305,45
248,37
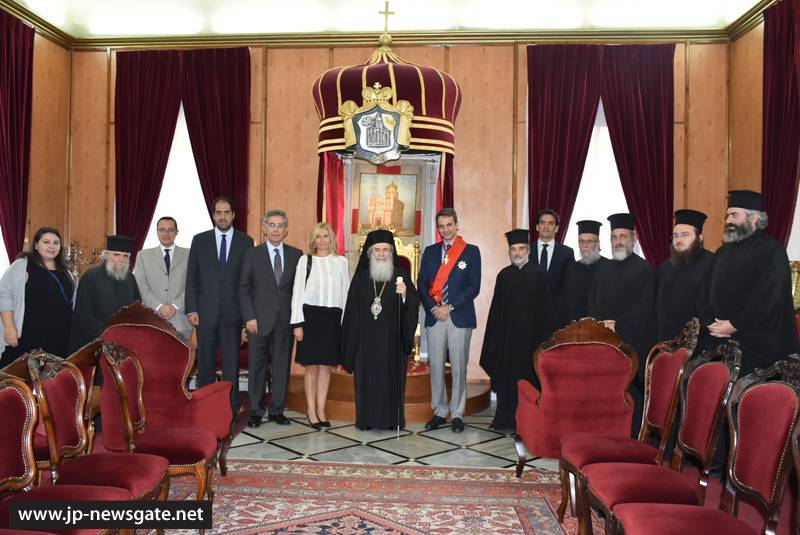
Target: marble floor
477,446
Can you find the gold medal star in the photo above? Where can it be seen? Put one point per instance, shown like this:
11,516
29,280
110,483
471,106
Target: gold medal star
446,259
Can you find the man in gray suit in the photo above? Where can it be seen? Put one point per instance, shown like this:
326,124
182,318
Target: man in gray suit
212,297
265,295
161,275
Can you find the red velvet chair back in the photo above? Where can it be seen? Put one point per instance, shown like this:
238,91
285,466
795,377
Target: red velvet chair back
18,416
665,365
704,393
166,360
585,371
121,404
763,420
61,393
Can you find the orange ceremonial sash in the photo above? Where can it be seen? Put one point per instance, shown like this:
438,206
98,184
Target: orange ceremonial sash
450,261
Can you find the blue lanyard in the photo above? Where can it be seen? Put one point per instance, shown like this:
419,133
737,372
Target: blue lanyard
60,287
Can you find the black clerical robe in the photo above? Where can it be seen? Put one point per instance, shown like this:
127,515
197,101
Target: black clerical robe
377,350
625,291
750,286
521,316
99,297
681,292
572,300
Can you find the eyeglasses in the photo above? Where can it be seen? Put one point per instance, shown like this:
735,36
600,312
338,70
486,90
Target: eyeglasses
276,225
681,235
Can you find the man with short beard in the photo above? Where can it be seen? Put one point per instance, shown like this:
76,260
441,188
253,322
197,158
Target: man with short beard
102,291
574,295
750,298
623,298
521,317
682,278
380,318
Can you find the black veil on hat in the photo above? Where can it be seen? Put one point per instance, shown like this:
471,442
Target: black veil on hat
376,236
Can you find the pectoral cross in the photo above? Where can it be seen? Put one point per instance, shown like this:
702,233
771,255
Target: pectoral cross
386,14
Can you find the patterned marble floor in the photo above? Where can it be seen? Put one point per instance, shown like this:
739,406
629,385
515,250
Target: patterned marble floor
477,446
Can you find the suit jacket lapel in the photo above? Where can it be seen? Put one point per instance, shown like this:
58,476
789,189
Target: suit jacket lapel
268,259
178,256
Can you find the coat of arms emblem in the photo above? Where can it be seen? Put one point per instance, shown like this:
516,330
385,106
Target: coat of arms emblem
378,130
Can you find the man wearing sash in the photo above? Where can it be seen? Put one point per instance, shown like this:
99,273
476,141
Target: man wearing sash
449,281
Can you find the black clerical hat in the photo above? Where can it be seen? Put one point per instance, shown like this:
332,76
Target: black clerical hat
622,221
376,236
119,243
744,198
518,235
588,226
690,217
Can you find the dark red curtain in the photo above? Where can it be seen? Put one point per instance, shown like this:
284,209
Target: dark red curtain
448,184
563,94
16,75
781,138
147,102
638,97
217,106
334,205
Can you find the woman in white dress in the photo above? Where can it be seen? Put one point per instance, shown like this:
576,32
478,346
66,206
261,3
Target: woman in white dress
320,292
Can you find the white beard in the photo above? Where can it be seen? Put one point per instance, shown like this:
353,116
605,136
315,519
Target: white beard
119,274
622,254
519,260
380,270
591,258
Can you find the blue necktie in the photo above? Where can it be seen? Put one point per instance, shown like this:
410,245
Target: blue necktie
167,260
223,252
444,290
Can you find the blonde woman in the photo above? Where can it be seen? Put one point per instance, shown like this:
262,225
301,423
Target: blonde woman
320,291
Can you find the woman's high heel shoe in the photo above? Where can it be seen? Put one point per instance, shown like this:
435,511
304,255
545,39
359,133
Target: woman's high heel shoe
314,425
323,423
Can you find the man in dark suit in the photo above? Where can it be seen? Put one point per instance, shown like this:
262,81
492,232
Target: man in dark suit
449,281
265,295
552,257
212,296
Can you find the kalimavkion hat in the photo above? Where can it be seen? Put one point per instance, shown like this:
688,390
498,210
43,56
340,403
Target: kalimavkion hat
518,235
690,217
119,243
744,198
622,221
589,226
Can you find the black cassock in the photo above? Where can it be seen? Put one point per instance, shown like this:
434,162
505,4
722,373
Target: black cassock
521,317
99,297
572,300
371,347
681,289
750,286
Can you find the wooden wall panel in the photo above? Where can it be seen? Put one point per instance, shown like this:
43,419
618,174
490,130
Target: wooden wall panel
679,166
49,137
291,130
522,137
88,185
747,78
484,133
707,134
256,180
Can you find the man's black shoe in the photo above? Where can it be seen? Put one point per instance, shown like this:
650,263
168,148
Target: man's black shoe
458,425
254,421
435,422
279,419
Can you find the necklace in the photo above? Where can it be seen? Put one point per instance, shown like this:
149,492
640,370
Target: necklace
376,307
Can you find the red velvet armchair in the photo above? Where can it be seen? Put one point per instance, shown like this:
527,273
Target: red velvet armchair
18,416
663,372
704,396
61,396
189,450
758,463
585,371
166,361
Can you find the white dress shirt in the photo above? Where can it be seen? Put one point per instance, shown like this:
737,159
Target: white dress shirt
550,246
229,233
